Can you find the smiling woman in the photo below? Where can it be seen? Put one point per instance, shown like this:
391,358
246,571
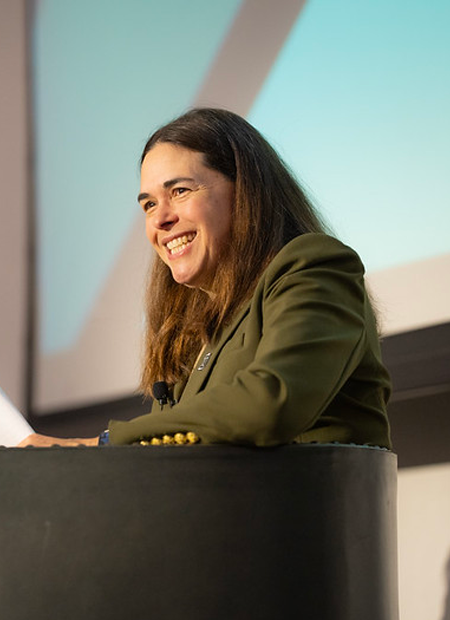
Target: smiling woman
188,212
259,327
271,337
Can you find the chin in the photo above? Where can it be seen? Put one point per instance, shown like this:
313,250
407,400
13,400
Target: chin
186,278
185,281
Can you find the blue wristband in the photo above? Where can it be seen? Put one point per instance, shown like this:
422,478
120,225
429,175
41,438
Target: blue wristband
103,438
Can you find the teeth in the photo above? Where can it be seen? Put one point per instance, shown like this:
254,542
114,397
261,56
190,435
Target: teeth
177,245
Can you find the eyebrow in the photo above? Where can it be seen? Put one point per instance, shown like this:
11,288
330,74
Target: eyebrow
166,185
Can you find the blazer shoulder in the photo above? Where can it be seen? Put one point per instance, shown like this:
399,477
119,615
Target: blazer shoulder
312,250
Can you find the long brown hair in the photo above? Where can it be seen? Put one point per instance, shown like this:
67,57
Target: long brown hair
270,209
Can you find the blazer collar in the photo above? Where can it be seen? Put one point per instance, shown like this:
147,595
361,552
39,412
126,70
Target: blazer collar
207,359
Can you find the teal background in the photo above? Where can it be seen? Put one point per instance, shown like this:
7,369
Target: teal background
357,103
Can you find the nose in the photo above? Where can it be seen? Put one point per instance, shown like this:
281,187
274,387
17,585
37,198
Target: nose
165,216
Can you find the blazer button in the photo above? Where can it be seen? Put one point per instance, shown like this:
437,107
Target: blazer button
180,438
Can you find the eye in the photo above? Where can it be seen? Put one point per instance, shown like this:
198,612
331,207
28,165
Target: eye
146,206
179,191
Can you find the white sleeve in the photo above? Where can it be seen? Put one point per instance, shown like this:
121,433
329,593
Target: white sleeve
13,426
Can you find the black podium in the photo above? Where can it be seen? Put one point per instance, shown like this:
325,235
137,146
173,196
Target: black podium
198,533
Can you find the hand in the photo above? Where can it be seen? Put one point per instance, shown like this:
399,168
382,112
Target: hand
44,441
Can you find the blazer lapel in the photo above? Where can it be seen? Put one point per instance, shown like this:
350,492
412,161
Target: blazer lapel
205,363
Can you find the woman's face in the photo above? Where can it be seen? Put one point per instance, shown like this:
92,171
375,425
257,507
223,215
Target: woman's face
188,212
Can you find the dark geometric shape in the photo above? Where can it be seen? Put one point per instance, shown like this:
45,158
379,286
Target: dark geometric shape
203,532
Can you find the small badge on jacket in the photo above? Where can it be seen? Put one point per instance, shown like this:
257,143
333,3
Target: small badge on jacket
204,361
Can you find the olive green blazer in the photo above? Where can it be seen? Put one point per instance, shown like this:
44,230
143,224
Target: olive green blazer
300,362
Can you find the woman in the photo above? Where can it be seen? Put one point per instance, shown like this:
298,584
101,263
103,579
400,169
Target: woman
257,321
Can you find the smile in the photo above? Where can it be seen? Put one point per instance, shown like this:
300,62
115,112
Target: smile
177,245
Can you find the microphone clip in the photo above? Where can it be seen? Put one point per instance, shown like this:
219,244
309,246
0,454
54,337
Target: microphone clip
161,393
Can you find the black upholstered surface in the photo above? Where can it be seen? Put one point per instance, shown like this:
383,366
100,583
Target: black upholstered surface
199,532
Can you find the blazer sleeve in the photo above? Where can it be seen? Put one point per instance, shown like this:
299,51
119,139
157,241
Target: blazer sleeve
312,303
